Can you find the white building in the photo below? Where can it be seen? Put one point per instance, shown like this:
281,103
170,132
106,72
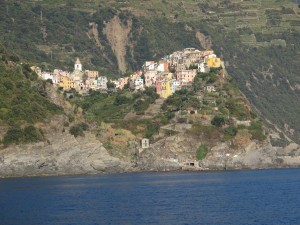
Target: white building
139,83
78,65
50,76
175,85
203,67
149,65
162,67
102,82
145,143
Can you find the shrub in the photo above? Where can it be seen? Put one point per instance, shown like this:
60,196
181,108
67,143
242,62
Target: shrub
32,134
121,99
218,121
256,131
201,152
18,135
78,129
230,132
13,135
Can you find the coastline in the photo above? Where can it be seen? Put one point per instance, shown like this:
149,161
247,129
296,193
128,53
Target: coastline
134,171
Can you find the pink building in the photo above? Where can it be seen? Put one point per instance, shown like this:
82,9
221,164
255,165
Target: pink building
158,85
186,76
122,82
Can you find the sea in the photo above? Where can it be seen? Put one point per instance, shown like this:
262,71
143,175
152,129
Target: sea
225,197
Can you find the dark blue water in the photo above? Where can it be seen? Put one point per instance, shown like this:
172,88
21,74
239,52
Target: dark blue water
231,197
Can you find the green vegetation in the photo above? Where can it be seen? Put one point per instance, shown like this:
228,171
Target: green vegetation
257,131
201,152
218,121
109,107
141,127
78,129
22,96
112,108
23,101
18,135
230,132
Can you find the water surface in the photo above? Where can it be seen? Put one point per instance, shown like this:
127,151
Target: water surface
229,197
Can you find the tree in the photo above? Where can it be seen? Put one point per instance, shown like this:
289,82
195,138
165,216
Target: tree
218,121
121,99
110,85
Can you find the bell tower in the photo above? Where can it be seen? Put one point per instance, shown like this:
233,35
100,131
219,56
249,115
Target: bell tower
78,65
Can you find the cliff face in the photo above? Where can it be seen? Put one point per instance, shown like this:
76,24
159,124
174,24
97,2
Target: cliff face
181,149
63,154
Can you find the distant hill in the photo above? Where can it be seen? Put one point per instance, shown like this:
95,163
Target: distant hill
258,40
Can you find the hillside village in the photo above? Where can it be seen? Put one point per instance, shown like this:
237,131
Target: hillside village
171,73
185,93
179,110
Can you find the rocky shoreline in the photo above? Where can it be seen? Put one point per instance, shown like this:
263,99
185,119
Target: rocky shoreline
63,154
67,155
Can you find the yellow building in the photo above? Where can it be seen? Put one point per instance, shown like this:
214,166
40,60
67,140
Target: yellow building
166,90
213,62
66,83
92,74
170,76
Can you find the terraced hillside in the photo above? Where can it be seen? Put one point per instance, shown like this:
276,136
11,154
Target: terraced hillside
258,40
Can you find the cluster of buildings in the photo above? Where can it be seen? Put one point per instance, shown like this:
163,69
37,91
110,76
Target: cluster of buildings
175,71
80,80
171,73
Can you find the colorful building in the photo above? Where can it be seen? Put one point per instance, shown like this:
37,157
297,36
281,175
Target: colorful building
66,83
166,90
122,82
213,62
186,76
102,82
158,86
150,78
92,74
163,67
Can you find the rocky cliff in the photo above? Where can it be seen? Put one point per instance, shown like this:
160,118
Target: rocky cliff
63,154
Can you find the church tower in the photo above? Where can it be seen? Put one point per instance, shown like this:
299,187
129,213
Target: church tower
78,65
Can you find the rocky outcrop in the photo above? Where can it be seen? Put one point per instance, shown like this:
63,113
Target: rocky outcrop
176,151
63,154
254,156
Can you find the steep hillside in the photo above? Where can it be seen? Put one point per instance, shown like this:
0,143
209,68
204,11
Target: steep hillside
258,40
23,101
